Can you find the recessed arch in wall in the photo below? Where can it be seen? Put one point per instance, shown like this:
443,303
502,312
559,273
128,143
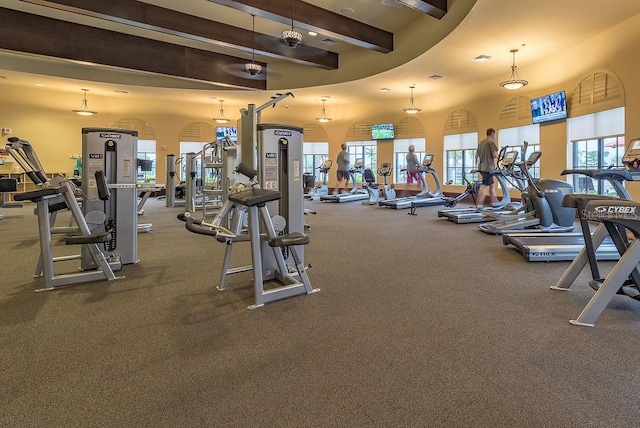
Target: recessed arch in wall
359,131
313,132
198,132
409,127
599,91
461,121
145,131
517,110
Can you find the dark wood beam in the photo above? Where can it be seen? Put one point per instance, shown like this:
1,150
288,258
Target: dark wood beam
313,18
435,8
34,34
150,17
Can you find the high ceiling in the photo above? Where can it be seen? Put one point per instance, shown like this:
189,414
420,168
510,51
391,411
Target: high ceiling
149,35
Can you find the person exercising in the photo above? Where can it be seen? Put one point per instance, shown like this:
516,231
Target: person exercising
412,166
342,170
486,155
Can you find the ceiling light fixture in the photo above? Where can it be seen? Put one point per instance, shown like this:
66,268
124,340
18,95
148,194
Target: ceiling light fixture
323,117
221,118
291,38
412,109
84,109
251,67
515,82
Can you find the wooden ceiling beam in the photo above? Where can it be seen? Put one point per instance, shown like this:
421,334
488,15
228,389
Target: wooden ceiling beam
150,17
313,18
435,8
34,34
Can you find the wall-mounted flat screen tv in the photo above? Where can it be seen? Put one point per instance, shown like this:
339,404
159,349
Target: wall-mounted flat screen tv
382,131
227,131
550,107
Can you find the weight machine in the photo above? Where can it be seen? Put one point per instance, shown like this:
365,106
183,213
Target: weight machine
271,155
113,151
52,196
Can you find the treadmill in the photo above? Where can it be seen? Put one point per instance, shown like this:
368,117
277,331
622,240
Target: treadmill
535,247
432,198
506,163
354,194
423,170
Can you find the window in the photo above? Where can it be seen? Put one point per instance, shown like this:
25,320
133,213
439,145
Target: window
596,153
596,141
188,147
314,155
365,150
515,138
146,152
400,149
460,157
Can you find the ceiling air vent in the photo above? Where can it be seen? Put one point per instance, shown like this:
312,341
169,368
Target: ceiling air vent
391,3
436,77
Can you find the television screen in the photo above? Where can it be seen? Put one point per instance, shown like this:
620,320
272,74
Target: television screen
382,131
550,107
227,131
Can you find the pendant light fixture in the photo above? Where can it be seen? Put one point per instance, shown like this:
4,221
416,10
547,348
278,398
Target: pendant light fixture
323,117
515,82
84,108
412,109
221,118
291,38
251,67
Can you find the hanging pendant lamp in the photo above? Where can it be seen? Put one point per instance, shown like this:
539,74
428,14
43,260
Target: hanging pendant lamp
251,67
515,82
291,38
221,118
84,109
412,109
323,117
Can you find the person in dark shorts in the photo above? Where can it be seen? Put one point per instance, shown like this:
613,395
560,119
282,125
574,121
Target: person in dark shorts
486,155
343,170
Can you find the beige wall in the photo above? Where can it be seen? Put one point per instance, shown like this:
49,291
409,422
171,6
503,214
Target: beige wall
55,132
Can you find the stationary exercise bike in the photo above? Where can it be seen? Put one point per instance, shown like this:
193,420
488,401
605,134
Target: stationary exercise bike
322,189
388,192
377,191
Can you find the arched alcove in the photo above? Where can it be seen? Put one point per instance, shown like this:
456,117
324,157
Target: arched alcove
359,131
599,91
145,131
516,112
409,127
461,121
314,133
198,132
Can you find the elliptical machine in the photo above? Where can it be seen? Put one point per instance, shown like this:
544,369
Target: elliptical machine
542,201
322,189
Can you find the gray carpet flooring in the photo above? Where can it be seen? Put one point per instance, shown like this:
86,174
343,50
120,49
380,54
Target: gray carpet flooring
419,323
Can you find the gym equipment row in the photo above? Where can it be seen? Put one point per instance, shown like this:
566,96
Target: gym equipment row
426,196
504,174
354,194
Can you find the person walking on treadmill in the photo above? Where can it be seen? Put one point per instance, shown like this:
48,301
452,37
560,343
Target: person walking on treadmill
342,170
486,155
412,166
